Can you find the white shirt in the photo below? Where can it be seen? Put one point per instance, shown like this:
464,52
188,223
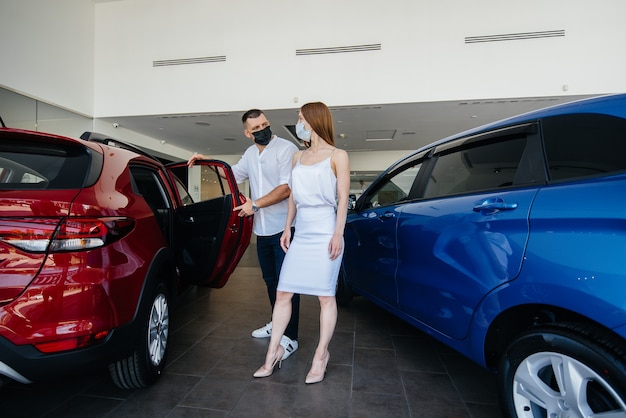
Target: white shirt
267,170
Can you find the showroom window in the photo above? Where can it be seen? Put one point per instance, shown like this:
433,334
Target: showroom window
584,145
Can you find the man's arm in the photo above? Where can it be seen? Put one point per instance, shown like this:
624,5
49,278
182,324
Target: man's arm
278,194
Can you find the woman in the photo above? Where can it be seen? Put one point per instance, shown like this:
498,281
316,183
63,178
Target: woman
320,184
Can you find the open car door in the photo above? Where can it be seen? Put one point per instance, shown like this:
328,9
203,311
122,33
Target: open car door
209,236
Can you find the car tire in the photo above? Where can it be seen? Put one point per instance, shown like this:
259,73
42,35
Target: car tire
344,294
145,365
563,369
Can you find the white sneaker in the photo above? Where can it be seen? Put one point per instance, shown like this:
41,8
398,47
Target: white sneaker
263,332
289,345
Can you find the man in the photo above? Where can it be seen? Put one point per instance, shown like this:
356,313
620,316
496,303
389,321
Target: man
267,165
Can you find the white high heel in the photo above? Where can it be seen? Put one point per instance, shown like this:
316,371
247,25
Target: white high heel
312,378
278,358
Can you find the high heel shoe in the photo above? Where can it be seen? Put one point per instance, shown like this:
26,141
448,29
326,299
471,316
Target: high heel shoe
278,358
316,378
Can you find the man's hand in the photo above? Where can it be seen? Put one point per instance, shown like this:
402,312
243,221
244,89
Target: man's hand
194,158
245,209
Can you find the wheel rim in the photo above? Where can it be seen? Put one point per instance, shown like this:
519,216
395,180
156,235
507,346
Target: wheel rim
158,329
554,385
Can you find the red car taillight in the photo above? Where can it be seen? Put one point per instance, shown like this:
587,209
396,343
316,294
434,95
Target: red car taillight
71,343
71,234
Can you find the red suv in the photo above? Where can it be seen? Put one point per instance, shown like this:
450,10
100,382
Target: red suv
97,239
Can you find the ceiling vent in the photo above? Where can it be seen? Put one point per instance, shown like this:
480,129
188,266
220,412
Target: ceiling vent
197,115
186,61
336,109
339,49
380,135
515,36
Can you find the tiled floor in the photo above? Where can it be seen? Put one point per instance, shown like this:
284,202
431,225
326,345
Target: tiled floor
379,367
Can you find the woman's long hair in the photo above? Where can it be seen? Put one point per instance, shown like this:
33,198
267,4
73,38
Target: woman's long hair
318,115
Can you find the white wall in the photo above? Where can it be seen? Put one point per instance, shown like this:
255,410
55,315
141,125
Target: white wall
68,52
424,56
48,51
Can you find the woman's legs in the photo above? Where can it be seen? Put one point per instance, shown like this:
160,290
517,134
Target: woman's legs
280,318
328,320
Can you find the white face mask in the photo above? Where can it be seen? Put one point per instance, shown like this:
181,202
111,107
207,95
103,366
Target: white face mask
302,133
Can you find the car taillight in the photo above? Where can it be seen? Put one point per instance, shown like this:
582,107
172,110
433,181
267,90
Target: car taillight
72,234
71,343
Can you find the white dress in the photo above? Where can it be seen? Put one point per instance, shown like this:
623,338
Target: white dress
307,268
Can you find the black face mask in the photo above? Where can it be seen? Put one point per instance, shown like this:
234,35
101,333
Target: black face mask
263,136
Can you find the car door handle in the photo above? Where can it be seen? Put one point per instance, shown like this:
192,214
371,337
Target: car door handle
387,215
494,205
189,219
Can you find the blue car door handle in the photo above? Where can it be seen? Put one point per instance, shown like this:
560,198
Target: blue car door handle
494,205
387,215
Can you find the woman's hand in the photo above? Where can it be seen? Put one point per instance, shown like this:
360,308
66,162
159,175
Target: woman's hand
335,246
285,239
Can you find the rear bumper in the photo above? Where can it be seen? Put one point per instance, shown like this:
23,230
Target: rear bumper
26,364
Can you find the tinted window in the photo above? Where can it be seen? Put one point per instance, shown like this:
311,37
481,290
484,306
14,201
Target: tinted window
185,198
396,188
28,164
584,145
147,184
485,165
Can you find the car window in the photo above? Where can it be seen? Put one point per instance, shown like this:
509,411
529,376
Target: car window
211,185
185,197
584,145
147,184
13,172
38,165
484,165
396,188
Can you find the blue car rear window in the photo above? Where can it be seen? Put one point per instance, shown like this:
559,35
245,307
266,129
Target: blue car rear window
583,145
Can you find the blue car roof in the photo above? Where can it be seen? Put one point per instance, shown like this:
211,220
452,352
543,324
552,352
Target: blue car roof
611,104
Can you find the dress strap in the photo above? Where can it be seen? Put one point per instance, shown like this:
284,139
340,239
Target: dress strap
300,158
330,162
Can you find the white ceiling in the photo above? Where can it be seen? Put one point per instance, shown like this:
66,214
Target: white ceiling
377,127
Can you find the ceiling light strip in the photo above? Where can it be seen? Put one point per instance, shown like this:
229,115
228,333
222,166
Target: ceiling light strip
186,61
339,49
514,36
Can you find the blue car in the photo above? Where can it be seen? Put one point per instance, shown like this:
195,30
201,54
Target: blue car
507,243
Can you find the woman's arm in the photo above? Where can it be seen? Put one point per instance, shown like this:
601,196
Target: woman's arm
341,167
285,238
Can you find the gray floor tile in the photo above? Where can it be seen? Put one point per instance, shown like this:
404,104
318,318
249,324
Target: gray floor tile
380,367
